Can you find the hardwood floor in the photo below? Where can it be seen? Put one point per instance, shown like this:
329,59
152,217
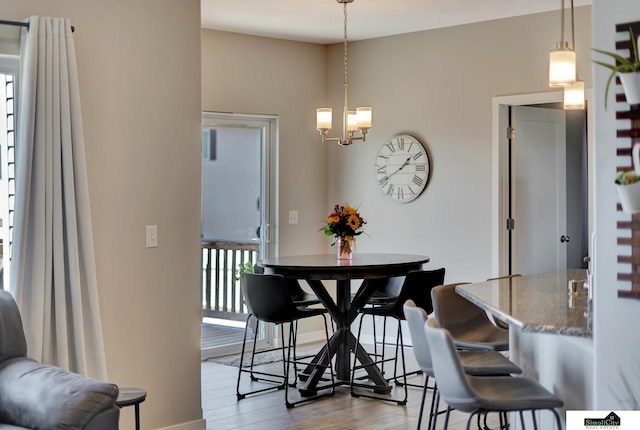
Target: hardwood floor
267,411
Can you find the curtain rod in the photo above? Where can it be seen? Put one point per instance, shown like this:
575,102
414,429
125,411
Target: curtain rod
24,24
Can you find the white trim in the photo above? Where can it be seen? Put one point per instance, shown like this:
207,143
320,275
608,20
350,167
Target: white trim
499,168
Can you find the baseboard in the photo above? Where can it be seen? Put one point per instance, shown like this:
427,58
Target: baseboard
192,425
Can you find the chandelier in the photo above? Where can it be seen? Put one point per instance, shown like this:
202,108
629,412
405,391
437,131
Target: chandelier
355,124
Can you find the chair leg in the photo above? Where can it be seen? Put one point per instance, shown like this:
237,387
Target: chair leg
424,398
255,375
446,419
435,405
353,383
557,416
290,361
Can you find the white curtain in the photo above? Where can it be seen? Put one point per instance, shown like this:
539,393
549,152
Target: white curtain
53,276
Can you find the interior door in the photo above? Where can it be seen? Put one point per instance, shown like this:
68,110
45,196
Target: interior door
539,190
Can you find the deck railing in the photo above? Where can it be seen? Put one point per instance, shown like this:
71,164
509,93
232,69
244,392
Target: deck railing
221,293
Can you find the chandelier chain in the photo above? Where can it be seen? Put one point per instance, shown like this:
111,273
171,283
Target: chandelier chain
346,54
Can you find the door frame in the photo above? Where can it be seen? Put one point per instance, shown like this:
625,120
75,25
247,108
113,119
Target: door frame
500,170
269,202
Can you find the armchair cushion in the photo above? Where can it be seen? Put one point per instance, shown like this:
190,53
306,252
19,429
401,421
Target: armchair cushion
12,340
39,396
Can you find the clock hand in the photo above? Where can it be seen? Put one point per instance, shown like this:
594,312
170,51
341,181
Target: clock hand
401,167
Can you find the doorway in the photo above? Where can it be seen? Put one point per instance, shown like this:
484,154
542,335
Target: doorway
238,204
542,157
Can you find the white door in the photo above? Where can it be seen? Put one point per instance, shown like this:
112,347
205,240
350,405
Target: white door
539,190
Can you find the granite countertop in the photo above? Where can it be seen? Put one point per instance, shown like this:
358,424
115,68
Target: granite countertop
535,303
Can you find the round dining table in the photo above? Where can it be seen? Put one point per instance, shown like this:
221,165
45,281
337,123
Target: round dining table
315,269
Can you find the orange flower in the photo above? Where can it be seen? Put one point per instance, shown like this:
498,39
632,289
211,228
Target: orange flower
353,221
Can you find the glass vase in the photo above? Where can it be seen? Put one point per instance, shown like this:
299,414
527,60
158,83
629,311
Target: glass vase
345,247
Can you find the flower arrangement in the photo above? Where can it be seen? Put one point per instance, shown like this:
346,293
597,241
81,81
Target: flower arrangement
626,178
343,223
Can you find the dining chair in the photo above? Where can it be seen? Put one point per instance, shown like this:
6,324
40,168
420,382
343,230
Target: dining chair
468,324
417,286
481,395
478,363
268,298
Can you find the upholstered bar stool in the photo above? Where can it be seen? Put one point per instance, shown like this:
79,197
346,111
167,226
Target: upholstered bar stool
478,363
481,395
468,325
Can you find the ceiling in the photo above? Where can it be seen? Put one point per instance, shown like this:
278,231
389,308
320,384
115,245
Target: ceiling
321,21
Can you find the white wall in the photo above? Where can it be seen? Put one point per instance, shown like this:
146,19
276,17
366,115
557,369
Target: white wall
616,321
139,71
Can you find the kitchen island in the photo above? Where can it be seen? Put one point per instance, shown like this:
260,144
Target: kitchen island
536,303
550,334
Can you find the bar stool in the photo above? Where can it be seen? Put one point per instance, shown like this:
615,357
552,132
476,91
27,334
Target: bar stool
468,325
269,300
478,363
481,395
417,286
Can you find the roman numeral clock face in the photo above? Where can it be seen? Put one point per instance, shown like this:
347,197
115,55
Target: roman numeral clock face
402,168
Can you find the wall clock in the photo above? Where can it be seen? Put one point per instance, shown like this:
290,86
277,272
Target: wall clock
402,168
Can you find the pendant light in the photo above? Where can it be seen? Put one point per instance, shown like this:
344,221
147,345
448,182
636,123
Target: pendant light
355,124
562,60
574,93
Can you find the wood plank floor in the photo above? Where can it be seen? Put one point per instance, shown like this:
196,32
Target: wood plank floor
267,411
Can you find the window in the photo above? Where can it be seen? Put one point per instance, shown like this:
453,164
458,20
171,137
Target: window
8,107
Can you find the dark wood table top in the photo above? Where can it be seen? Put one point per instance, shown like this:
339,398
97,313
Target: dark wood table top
327,266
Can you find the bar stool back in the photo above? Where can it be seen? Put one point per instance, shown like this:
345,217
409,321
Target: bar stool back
469,325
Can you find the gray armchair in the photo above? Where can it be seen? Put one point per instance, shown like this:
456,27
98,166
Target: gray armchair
39,396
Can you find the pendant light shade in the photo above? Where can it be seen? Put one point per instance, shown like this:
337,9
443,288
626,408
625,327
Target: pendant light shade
574,96
562,66
562,60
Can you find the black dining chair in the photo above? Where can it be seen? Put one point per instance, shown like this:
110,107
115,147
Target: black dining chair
417,286
268,298
481,395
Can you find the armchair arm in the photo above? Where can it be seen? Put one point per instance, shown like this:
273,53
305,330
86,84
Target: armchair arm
36,395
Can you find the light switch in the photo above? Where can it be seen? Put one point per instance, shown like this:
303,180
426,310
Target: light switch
293,217
152,236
